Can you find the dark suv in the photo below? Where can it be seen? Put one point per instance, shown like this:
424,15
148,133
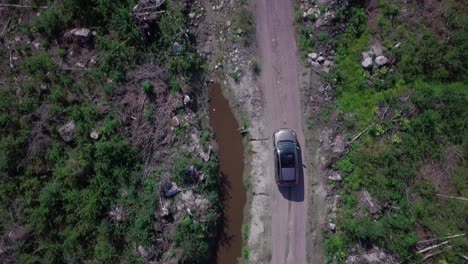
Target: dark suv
286,153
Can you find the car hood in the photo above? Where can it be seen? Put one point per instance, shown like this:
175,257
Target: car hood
288,174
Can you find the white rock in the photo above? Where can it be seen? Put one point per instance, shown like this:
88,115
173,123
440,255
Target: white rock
228,23
332,226
68,131
191,15
327,63
312,56
381,61
320,59
82,33
335,176
94,134
175,121
367,63
186,99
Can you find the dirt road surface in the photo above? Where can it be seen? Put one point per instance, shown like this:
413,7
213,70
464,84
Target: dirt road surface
279,83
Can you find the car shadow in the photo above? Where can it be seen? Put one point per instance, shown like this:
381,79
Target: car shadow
295,193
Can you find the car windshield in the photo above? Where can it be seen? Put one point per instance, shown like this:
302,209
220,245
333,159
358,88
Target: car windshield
286,153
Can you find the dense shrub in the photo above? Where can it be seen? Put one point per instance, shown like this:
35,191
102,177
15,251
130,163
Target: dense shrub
191,237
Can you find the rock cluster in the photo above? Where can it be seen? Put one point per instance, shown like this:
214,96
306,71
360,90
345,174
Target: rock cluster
374,56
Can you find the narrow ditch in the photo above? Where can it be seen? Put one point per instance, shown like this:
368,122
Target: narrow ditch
231,154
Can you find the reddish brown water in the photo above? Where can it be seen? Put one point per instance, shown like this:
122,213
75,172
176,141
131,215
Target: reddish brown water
231,154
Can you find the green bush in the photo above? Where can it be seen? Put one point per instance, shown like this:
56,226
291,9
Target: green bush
336,247
192,239
256,69
41,67
50,21
147,87
305,42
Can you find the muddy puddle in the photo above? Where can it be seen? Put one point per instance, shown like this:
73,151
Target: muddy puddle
231,154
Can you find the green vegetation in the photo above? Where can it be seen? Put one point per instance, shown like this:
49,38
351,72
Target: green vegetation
256,69
147,87
412,148
305,42
87,199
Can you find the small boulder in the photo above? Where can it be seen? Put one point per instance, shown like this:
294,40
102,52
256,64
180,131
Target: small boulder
228,23
327,63
172,190
84,33
335,176
191,15
186,99
80,35
176,48
367,63
313,56
68,131
320,59
94,134
381,61
175,121
332,227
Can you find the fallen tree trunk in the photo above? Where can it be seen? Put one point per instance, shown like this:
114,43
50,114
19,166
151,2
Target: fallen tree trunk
453,197
445,237
432,247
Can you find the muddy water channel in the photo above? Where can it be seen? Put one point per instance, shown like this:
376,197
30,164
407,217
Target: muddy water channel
231,154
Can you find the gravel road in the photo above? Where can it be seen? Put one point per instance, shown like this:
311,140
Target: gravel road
279,82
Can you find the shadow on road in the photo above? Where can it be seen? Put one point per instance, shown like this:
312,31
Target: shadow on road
295,193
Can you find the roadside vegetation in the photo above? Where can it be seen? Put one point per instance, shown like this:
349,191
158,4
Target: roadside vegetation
407,124
91,191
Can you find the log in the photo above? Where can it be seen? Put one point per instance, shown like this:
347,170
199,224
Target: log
432,247
453,197
436,253
445,237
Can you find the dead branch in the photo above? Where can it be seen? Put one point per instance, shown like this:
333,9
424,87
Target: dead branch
464,257
11,61
432,247
453,197
368,198
360,133
436,253
22,6
7,25
446,237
